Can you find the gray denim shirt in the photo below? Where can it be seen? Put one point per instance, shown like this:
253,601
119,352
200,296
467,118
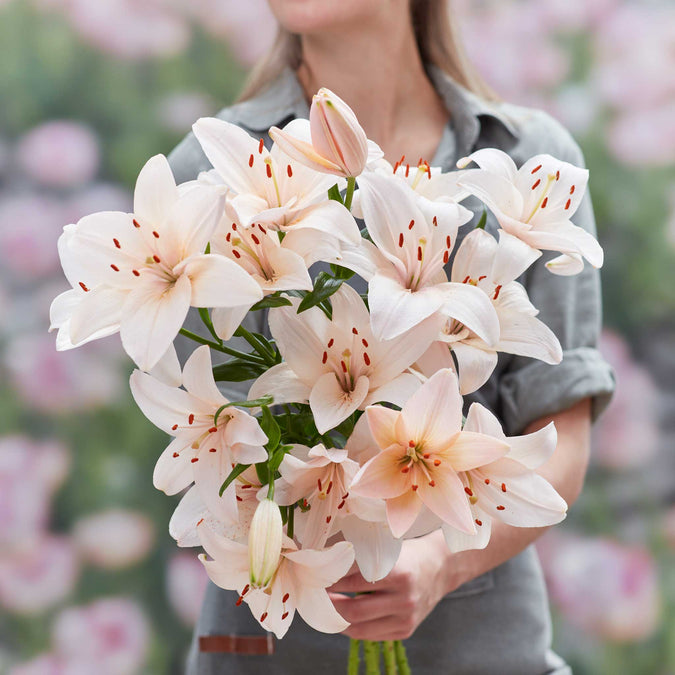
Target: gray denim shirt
497,623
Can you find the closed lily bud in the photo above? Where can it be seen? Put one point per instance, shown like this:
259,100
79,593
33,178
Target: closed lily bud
264,543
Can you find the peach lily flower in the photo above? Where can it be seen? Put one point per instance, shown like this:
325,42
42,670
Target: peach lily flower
339,366
535,204
299,583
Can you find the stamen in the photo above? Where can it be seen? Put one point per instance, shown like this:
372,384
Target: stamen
261,146
117,269
572,189
497,289
543,204
255,239
117,243
567,205
426,455
557,175
536,168
136,273
194,459
212,450
136,223
250,161
83,287
285,598
414,487
411,224
478,522
366,358
284,615
487,481
434,220
419,253
432,483
156,258
500,508
405,469
328,519
269,170
289,171
263,617
468,491
325,357
341,504
448,242
213,430
536,184
400,240
175,454
318,482
191,418
236,254
174,427
344,366
330,343
364,342
503,487
356,332
446,257
155,234
437,462
330,487
407,170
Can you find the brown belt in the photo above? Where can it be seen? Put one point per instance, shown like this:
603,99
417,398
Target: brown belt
237,644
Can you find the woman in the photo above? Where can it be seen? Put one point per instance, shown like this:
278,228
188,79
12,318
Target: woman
398,66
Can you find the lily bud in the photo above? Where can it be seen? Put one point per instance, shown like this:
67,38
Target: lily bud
339,144
264,543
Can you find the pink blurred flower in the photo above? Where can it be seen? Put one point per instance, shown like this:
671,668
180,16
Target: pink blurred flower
186,582
627,435
43,664
576,105
110,637
97,197
56,382
30,472
114,539
178,111
38,575
60,153
570,16
132,29
602,586
30,226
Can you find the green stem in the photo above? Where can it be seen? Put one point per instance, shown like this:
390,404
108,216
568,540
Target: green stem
371,657
256,344
401,658
291,521
351,183
221,348
354,657
389,658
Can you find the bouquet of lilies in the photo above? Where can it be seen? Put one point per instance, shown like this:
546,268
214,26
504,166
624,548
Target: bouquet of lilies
352,436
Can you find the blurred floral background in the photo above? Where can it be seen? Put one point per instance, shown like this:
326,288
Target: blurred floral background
90,90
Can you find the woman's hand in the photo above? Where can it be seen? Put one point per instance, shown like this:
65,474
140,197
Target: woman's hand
394,606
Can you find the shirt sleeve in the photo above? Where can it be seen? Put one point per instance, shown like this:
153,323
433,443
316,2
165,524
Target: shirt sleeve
572,308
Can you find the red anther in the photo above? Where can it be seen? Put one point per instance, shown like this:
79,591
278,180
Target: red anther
420,161
405,469
284,615
434,220
155,234
239,499
246,589
572,189
419,253
330,487
136,223
497,289
269,171
255,239
446,257
411,224
236,254
117,243
396,167
366,358
543,204
468,491
536,168
325,357
567,205
117,269
175,454
330,343
536,183
364,342
328,519
289,171
432,483
194,459
318,482
201,520
305,504
437,462
228,236
503,487
448,242
484,276
213,450
500,508
250,161
344,366
191,418
213,430
244,487
174,427
239,600
400,161
83,287
467,279
414,487
156,258
400,240
263,617
234,226
356,332
136,273
341,504
487,481
478,522
557,175
262,229
407,170
261,146
411,444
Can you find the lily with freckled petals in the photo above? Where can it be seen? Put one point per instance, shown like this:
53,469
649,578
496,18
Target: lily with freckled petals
509,488
339,366
413,238
202,451
493,268
300,581
141,272
422,450
332,141
535,204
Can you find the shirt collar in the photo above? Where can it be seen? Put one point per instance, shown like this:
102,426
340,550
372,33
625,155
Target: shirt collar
285,99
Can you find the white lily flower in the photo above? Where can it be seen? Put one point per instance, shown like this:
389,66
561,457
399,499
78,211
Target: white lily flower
140,272
339,366
202,451
535,204
264,543
299,584
413,239
509,488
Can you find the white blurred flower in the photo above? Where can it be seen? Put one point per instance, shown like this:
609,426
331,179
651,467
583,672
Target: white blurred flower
59,153
114,539
37,576
186,581
178,111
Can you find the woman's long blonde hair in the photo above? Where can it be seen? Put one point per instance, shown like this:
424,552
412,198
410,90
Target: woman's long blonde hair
437,40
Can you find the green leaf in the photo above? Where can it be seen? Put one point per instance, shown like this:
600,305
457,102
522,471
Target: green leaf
341,272
271,301
334,194
277,457
324,286
236,370
263,473
208,248
269,425
482,221
237,471
206,318
254,403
